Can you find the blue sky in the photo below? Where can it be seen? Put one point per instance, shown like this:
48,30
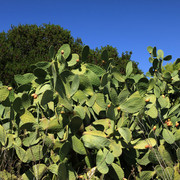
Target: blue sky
128,25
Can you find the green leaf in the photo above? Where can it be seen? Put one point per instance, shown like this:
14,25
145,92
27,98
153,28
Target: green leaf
133,104
75,85
40,73
65,149
115,148
21,153
39,170
125,133
178,154
129,68
104,79
47,97
147,175
73,60
160,54
113,96
31,139
168,136
3,136
150,49
62,171
67,51
93,78
26,120
118,76
78,146
35,153
4,93
75,123
109,158
96,69
152,112
53,168
95,139
142,143
167,58
118,170
100,162
24,79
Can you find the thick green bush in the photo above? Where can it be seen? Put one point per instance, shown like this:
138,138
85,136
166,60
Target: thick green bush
74,120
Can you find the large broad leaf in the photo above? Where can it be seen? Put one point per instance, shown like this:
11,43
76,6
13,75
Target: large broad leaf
26,120
39,170
118,76
109,158
78,146
3,137
125,133
143,143
152,112
47,97
64,51
96,69
62,171
129,68
101,163
95,139
113,96
75,123
74,59
85,85
21,153
160,54
24,79
133,104
118,170
115,148
168,136
4,93
35,153
74,85
147,175
93,78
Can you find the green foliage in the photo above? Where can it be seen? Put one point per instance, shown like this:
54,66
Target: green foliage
72,120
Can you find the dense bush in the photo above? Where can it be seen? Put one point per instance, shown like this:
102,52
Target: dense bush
24,45
75,120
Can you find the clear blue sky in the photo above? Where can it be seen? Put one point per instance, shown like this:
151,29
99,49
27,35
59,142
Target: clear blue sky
128,25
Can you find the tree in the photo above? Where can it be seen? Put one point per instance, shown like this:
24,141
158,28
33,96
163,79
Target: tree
25,45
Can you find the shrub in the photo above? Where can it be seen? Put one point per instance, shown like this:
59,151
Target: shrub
70,120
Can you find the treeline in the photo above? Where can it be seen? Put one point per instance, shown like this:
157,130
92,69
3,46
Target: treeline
24,45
